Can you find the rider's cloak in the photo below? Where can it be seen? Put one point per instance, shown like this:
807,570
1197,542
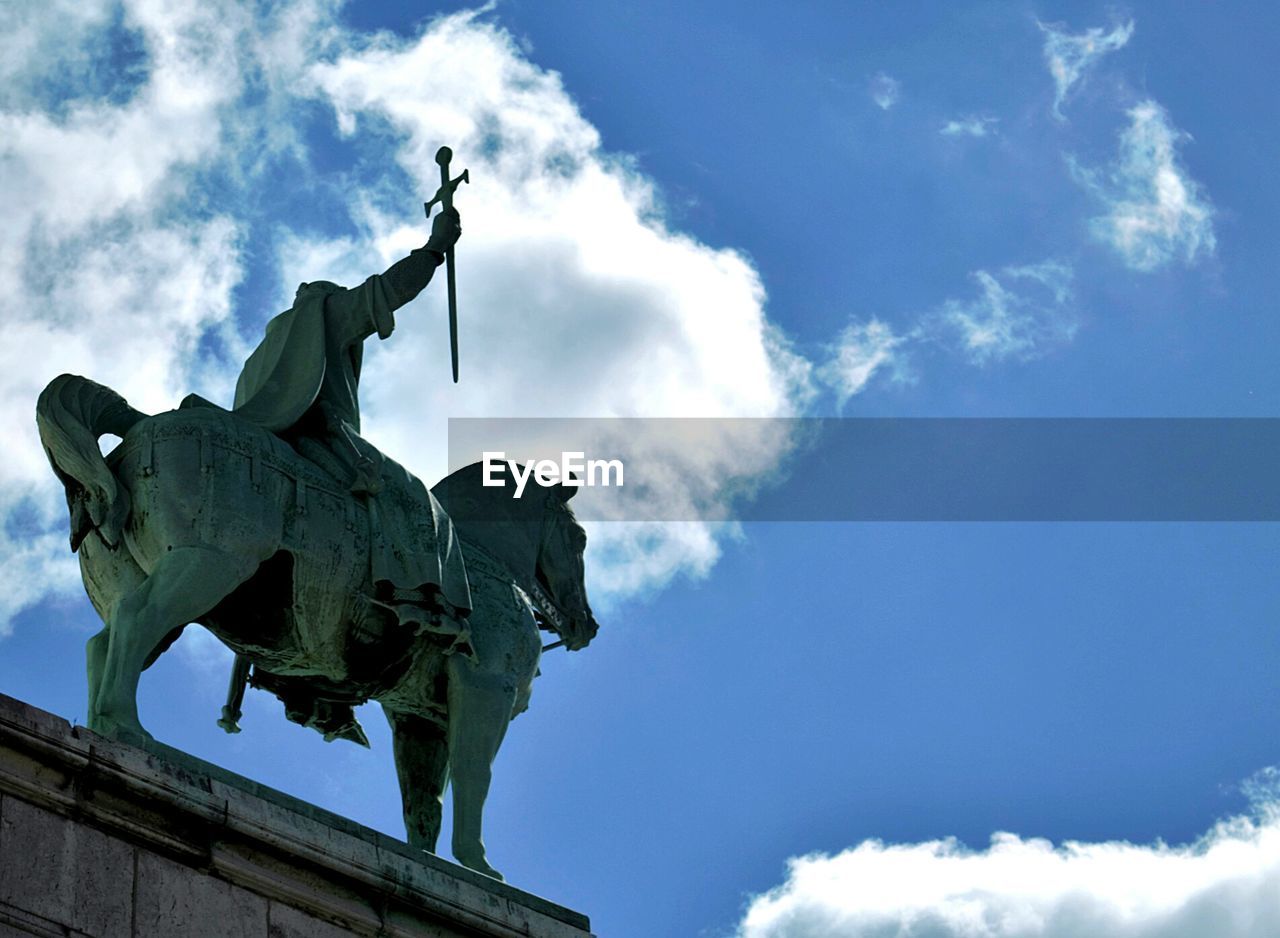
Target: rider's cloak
282,377
310,358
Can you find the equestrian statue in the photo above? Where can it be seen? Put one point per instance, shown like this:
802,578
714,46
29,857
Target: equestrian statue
334,574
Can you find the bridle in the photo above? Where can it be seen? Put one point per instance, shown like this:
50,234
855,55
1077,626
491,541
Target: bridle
555,512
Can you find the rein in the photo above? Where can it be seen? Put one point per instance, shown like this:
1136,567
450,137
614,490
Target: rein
546,605
538,596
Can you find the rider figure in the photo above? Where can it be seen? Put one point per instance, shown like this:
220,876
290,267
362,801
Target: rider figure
301,383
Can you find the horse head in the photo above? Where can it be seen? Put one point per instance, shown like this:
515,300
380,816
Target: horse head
560,569
534,534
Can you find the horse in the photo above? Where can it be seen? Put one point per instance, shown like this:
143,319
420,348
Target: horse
197,516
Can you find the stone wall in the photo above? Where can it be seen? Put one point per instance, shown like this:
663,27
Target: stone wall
106,840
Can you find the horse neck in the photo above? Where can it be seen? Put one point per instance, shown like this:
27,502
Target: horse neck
514,541
508,528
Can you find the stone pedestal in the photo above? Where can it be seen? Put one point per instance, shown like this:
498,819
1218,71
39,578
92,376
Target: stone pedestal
106,840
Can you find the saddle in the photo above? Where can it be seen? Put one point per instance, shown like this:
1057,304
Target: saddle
383,640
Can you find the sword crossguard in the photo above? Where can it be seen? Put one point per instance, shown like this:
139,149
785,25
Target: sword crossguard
444,195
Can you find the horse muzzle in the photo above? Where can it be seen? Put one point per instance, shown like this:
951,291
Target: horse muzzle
580,632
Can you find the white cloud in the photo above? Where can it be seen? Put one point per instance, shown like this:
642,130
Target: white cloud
969,127
133,204
1020,313
885,90
575,297
50,42
569,264
1070,56
106,268
1154,212
638,557
1225,884
35,565
861,350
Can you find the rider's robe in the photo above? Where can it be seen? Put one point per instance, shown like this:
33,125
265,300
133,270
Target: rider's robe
301,383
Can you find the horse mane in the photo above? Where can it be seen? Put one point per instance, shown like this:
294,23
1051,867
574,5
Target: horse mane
465,496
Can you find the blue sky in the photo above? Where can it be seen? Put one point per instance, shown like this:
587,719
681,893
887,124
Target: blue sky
999,209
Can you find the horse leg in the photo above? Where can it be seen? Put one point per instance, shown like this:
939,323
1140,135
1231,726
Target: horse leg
422,765
183,584
108,575
480,707
95,659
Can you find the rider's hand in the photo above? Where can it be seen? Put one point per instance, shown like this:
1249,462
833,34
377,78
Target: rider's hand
446,229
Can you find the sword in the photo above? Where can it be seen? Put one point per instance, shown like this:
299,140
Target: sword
444,195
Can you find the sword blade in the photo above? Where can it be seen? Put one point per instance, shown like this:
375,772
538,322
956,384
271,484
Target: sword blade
453,312
444,195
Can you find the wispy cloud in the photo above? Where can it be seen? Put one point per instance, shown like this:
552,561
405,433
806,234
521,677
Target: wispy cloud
1153,211
969,127
1069,56
885,90
1019,313
861,350
1223,884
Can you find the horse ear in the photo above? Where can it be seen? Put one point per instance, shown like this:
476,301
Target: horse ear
565,492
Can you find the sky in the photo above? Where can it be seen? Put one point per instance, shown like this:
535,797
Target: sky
720,210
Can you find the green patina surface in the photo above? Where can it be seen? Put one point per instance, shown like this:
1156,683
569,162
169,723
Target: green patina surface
335,575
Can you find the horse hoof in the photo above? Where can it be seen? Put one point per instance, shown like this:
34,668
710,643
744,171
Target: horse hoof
124,731
480,865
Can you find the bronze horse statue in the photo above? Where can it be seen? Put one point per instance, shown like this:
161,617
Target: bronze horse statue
199,516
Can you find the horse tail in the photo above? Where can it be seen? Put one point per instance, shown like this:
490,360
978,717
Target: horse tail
71,414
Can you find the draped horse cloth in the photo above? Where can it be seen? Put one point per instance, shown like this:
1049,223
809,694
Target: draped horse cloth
301,383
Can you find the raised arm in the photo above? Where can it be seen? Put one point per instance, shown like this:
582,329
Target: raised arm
360,312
